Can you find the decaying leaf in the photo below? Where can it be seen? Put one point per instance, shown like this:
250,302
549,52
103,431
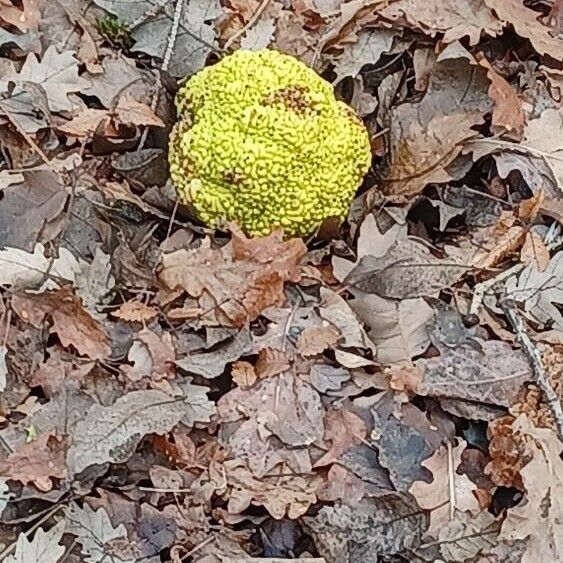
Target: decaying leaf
397,328
508,114
371,45
324,377
31,202
121,77
468,536
534,252
24,16
238,281
540,292
152,356
45,546
343,429
491,374
38,462
135,311
435,495
73,325
93,530
507,450
384,525
284,407
25,270
407,270
404,438
281,496
56,74
316,340
212,364
526,23
537,158
538,517
112,433
424,143
455,18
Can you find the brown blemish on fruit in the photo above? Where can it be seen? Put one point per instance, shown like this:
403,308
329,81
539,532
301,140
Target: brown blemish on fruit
294,98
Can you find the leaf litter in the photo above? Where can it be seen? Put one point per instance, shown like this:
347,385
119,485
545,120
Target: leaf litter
173,393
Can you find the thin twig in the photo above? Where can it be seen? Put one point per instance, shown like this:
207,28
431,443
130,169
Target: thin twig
249,24
451,479
162,490
164,244
30,142
198,547
534,358
551,240
172,36
289,322
13,545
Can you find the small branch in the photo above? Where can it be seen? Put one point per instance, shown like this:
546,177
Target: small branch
172,36
484,287
48,513
30,142
161,490
249,24
534,358
451,479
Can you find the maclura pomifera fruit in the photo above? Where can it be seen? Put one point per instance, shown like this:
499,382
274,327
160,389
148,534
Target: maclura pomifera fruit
262,141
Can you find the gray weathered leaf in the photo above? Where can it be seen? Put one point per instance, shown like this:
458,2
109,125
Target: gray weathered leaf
404,438
27,42
493,374
385,525
28,206
447,328
21,270
324,377
371,44
408,270
198,408
94,282
467,535
56,73
93,529
540,292
120,77
43,548
538,158
212,364
260,34
478,208
26,104
446,211
129,11
112,433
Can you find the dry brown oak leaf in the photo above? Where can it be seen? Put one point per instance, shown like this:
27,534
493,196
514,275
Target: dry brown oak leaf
235,283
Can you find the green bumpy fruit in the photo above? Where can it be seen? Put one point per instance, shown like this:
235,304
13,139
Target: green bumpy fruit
262,141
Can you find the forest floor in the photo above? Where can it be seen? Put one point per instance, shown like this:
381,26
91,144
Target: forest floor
391,392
